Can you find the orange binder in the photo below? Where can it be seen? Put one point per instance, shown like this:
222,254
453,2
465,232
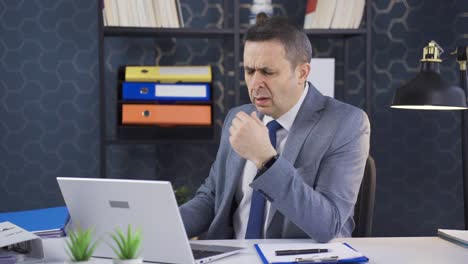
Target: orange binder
148,114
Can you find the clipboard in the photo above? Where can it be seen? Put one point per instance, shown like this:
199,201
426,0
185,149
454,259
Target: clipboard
266,254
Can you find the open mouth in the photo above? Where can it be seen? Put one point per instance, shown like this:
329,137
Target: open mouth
261,101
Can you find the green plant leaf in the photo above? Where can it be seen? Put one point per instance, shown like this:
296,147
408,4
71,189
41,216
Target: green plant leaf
123,250
119,245
182,194
135,245
80,246
128,245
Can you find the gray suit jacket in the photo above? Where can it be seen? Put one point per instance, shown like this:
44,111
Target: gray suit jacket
312,187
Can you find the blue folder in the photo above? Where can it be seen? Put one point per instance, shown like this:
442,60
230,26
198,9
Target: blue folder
54,218
351,260
146,91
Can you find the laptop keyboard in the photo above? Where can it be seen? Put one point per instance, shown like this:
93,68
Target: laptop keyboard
199,254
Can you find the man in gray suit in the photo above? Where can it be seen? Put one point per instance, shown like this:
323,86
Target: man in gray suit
291,163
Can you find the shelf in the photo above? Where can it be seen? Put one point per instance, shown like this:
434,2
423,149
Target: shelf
211,33
116,141
165,102
329,32
135,134
166,32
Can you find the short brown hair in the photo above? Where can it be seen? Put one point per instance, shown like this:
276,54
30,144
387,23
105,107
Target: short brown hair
296,43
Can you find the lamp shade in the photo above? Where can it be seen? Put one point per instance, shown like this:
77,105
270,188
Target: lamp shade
428,91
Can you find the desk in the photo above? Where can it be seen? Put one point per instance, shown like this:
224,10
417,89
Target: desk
413,250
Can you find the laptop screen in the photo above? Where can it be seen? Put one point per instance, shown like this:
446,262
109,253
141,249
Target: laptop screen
105,204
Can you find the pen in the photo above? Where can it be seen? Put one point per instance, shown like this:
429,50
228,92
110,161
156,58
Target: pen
300,251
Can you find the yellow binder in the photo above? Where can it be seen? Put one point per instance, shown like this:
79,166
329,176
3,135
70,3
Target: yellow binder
169,74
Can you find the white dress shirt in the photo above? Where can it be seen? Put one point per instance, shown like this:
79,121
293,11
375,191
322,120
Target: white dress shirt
244,191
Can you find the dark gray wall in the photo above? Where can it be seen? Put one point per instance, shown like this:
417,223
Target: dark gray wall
418,153
49,104
48,99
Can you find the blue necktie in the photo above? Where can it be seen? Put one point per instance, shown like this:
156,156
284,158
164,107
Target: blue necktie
257,204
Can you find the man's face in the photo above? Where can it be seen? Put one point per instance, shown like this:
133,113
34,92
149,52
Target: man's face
274,87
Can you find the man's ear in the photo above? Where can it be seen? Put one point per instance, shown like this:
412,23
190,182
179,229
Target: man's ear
302,71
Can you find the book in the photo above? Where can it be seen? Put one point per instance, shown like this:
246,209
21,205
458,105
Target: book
122,11
166,115
179,14
358,13
341,14
42,222
324,10
149,10
158,16
453,235
168,74
166,91
112,12
104,15
310,13
165,13
336,253
172,15
141,15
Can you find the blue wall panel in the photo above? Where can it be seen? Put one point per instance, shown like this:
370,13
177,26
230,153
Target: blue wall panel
49,124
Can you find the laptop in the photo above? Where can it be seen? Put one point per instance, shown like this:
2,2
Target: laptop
105,204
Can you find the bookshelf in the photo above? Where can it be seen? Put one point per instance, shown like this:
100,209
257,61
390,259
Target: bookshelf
167,32
231,32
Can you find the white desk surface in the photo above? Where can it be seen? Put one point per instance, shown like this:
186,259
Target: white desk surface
414,250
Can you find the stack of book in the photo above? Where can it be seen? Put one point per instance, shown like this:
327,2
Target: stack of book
142,13
167,96
46,222
341,14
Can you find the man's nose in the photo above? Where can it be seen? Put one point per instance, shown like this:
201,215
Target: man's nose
257,79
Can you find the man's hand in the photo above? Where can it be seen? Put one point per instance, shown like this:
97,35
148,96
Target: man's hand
250,139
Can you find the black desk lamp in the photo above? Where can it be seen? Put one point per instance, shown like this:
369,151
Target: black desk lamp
428,91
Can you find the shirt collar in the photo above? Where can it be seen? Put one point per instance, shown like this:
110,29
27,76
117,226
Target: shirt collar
287,119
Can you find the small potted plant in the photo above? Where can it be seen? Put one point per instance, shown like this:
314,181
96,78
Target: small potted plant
80,245
128,246
182,194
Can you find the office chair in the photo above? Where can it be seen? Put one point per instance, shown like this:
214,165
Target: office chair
364,209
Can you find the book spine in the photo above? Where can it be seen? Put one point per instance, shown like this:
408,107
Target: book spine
310,13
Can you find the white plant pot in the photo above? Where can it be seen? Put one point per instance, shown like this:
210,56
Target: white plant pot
90,261
128,261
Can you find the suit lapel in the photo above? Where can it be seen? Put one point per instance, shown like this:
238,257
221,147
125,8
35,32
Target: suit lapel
306,119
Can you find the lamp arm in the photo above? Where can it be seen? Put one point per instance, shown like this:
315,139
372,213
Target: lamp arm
462,60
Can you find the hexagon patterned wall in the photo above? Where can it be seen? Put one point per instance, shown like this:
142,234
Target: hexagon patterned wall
49,101
417,153
48,92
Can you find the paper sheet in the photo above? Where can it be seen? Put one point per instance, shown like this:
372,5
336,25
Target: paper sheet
335,249
322,75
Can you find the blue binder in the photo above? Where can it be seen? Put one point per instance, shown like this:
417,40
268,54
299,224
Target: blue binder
350,260
54,218
166,91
